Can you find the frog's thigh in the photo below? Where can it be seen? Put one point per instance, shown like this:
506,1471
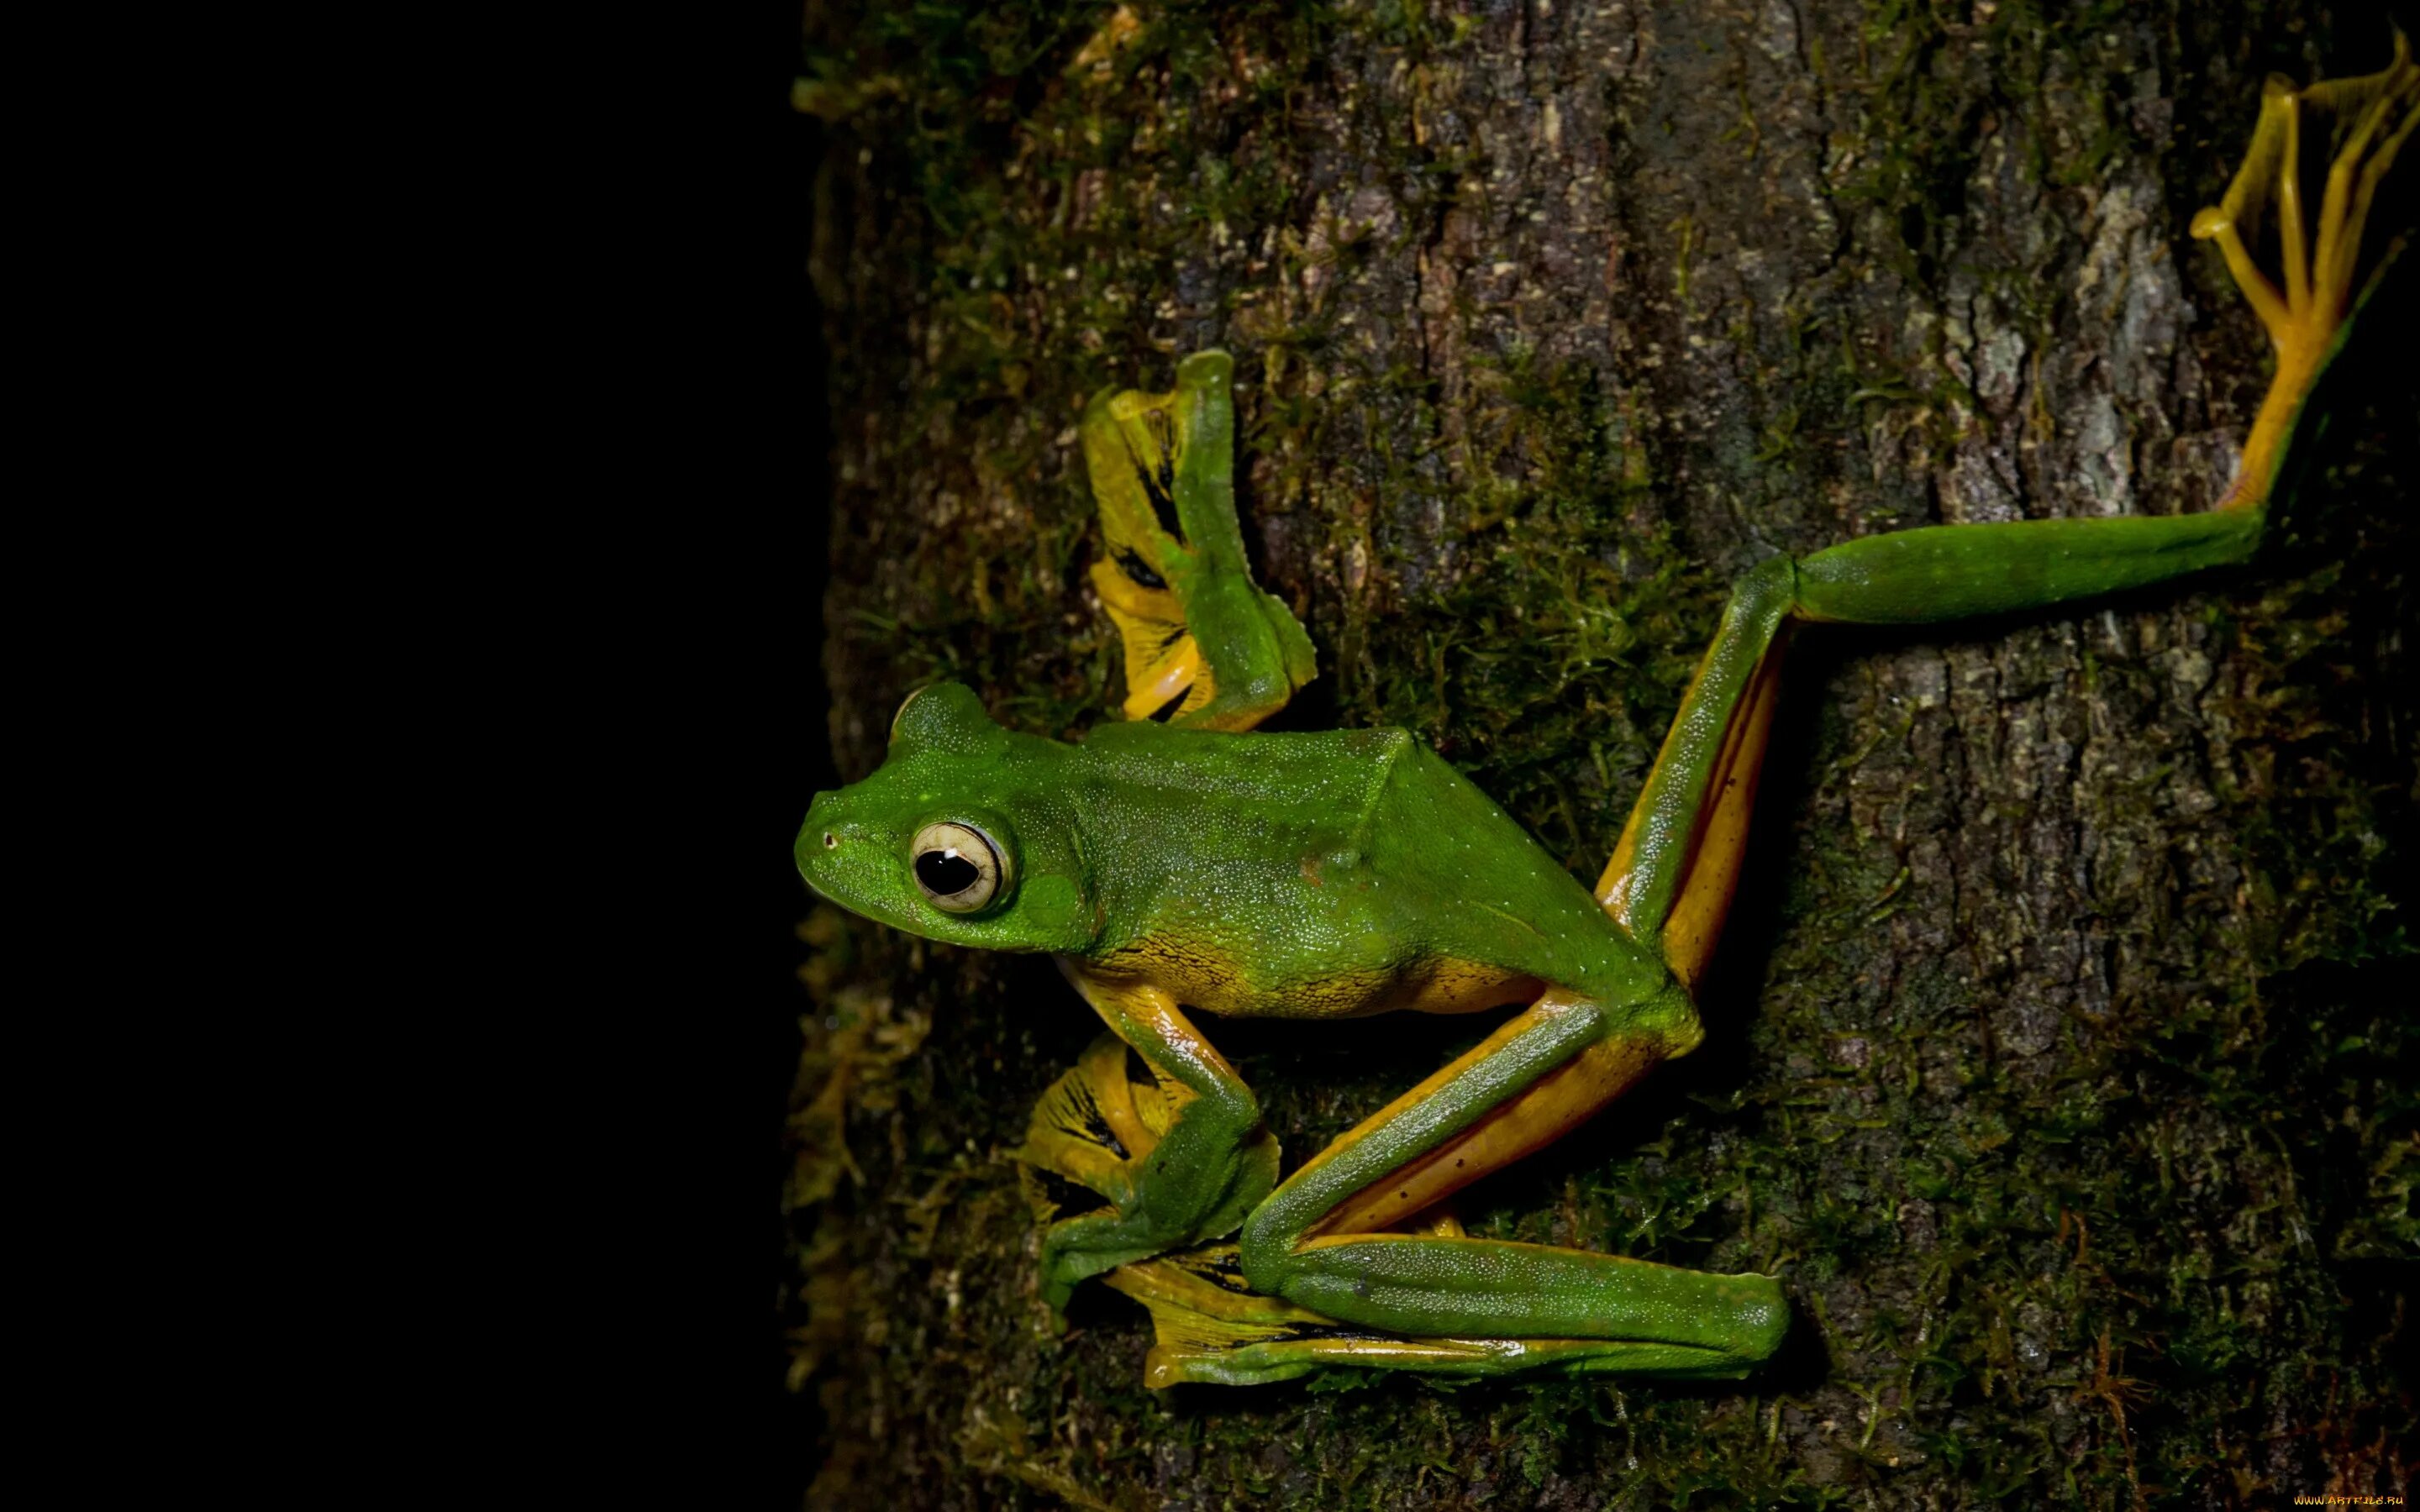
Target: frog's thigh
1530,1118
1315,1242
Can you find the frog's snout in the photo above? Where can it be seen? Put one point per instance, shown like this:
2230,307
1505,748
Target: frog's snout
819,834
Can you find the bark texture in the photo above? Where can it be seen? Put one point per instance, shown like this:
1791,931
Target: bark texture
2058,1054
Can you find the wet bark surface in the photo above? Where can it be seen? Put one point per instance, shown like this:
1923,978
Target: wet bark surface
2058,1048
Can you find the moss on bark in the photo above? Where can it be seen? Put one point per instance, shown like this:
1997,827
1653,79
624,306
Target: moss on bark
2058,1057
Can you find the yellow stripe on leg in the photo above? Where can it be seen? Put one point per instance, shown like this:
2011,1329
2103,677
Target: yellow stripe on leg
1704,901
1717,844
1550,1108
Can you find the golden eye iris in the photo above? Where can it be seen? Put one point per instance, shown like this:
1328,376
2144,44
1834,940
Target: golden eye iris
957,867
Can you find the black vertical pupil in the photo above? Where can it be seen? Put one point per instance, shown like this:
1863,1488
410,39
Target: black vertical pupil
943,872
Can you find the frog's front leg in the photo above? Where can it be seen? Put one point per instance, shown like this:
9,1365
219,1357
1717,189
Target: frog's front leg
1196,1181
1326,1239
1198,633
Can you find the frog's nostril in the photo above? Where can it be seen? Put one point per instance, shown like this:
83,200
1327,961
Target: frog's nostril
830,839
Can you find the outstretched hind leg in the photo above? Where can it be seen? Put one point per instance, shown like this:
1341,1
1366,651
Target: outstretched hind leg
1671,877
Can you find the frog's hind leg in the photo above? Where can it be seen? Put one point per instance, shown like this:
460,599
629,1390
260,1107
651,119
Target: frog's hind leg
1329,1239
1670,880
1211,1326
1671,876
1217,1321
1090,1131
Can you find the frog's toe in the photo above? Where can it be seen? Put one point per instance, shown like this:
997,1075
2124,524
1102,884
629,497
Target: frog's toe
1076,1249
1177,673
2323,267
1164,661
1089,1135
2323,270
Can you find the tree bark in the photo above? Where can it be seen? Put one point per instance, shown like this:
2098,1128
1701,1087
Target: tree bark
2059,1052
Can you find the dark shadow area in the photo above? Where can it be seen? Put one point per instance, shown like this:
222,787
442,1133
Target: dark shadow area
800,765
747,717
691,527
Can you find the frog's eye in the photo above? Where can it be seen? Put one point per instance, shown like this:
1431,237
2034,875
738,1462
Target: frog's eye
957,866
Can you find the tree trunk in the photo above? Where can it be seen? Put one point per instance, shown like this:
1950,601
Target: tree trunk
2058,1054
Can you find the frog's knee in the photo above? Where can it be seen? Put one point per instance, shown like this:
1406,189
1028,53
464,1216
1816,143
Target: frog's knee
1760,1319
1264,1249
1769,587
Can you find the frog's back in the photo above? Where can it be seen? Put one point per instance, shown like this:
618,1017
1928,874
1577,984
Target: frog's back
1327,874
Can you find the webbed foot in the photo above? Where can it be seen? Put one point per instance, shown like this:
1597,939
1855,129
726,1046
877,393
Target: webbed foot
1090,1136
1083,1159
2323,275
1199,634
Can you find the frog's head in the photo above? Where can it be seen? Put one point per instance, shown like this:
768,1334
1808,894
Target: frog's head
962,835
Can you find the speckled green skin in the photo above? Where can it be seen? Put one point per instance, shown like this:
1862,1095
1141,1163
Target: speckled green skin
1313,870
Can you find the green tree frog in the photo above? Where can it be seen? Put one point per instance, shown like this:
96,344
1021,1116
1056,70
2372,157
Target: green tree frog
1181,864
